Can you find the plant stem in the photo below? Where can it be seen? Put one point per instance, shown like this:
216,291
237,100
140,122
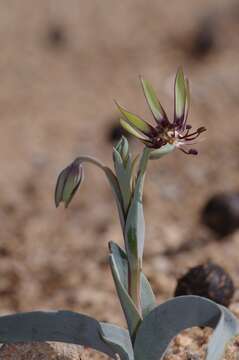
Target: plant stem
135,265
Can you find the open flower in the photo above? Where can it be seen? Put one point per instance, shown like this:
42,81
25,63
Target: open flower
176,133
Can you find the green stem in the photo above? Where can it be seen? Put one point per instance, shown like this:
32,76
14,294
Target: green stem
135,264
142,169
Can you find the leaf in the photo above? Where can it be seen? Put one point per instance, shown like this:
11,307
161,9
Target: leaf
153,102
118,339
131,313
164,150
135,226
136,121
148,301
64,326
167,320
227,328
135,229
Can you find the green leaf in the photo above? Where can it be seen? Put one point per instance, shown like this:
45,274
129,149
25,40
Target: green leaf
148,301
167,320
118,339
135,229
135,226
164,150
153,102
131,313
136,121
180,94
64,326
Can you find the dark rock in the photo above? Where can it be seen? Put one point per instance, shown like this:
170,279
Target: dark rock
208,280
221,213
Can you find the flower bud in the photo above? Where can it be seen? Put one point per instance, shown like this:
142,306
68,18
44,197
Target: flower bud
123,149
68,182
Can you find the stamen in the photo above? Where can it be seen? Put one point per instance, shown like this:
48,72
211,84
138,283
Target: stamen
189,152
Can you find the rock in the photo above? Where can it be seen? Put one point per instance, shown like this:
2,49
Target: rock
208,280
221,213
41,351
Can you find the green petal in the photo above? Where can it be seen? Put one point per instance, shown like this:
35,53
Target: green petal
135,121
180,94
131,130
153,102
187,98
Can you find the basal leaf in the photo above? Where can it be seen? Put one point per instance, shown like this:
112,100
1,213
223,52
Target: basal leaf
167,320
227,328
63,326
118,339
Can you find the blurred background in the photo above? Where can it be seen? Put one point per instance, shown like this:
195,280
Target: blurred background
62,63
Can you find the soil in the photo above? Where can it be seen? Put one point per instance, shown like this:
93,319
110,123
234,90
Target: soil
61,66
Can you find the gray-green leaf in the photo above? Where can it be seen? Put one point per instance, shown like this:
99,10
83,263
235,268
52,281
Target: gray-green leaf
148,301
118,339
167,320
63,326
131,313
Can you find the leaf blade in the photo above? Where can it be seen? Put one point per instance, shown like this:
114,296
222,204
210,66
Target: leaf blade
118,339
168,319
62,326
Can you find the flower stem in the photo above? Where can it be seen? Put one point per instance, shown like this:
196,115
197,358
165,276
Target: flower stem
135,263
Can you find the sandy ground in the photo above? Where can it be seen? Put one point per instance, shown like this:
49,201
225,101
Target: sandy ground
61,66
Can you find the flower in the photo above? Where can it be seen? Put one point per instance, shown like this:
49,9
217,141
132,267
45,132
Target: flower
68,182
176,133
